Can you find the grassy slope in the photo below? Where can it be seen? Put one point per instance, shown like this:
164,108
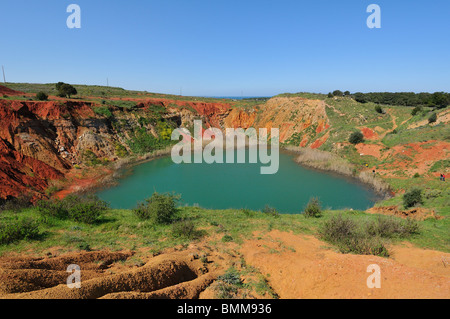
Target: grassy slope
120,229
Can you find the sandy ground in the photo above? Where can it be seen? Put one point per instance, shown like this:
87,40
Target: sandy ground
295,266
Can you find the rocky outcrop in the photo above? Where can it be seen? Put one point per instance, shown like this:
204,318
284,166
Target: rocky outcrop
42,141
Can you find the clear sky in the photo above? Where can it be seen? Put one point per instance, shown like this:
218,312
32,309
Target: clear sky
229,47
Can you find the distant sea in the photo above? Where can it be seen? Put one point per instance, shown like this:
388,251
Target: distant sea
239,97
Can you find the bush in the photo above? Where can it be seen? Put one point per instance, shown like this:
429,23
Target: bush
378,109
432,118
356,138
271,211
184,228
227,238
103,111
42,96
160,208
88,210
12,231
348,236
412,198
416,110
16,205
228,284
313,209
416,175
389,227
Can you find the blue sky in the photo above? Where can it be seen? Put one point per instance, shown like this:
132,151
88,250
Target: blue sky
229,48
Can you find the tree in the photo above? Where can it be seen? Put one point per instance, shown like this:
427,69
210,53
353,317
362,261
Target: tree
432,118
356,138
360,97
330,95
338,93
42,96
347,93
65,89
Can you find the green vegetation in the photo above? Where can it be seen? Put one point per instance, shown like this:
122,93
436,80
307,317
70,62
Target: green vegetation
379,109
366,238
313,208
412,198
159,208
123,229
41,96
142,142
438,99
356,138
17,229
229,284
65,90
88,210
103,111
432,118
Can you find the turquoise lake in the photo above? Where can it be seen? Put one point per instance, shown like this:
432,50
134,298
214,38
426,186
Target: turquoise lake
222,186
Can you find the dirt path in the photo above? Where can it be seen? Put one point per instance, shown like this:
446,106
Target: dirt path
301,267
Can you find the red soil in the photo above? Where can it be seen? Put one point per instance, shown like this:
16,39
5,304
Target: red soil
320,141
369,134
7,91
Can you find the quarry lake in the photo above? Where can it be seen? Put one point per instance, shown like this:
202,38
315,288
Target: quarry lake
222,186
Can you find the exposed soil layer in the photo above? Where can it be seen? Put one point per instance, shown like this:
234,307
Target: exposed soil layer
295,266
418,213
9,92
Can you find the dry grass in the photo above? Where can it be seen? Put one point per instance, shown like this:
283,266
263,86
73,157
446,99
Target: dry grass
330,162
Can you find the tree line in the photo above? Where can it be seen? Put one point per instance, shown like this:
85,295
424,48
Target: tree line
437,99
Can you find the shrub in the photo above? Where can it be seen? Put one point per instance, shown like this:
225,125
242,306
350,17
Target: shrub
416,175
17,204
12,231
227,238
378,109
271,211
416,110
184,228
42,96
348,236
160,208
120,150
356,138
103,111
88,210
228,284
389,227
313,209
412,198
432,118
